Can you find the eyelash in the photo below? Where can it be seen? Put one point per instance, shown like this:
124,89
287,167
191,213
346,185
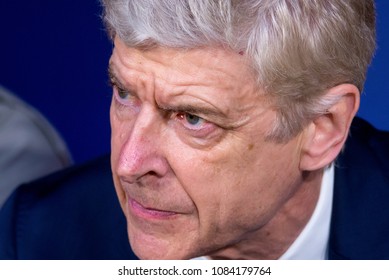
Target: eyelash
203,130
118,92
127,102
184,117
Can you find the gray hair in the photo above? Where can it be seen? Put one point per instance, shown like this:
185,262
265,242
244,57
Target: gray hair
298,48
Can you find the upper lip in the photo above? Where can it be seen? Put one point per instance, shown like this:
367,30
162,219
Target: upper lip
147,203
152,208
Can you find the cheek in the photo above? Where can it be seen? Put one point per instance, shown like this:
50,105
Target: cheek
115,144
117,141
120,129
238,187
216,182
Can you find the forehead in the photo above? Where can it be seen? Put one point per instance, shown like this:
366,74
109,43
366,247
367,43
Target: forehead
208,77
174,65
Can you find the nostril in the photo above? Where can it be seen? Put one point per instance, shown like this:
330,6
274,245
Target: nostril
152,173
138,180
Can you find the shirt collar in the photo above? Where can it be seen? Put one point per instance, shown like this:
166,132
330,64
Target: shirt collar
312,243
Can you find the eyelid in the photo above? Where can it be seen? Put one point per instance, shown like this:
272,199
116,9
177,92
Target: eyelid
115,82
120,87
119,101
201,130
182,115
174,112
204,113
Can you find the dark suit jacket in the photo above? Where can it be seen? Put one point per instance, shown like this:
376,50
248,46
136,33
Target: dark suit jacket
74,214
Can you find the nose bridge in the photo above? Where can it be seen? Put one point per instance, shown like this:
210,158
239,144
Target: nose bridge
139,154
143,126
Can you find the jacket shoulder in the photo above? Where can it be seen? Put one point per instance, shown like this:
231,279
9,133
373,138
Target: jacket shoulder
72,214
359,226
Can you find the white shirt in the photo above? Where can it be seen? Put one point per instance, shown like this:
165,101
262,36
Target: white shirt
312,243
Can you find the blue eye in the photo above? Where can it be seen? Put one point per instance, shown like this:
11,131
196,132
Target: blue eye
123,94
193,119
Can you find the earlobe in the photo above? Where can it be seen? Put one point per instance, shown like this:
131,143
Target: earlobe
324,137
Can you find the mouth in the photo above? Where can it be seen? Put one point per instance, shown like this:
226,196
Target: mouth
148,213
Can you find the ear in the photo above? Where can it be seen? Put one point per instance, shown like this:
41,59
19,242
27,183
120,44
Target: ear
324,137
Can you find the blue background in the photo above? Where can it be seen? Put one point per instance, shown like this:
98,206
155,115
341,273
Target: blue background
54,55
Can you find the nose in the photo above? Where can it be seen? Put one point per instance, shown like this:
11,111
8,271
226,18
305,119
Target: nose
141,153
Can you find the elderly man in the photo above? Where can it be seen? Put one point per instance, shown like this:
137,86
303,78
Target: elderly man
227,119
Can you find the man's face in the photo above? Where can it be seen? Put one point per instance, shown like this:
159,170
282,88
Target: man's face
192,168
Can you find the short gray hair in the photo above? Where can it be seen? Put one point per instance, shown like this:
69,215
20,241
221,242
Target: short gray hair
298,48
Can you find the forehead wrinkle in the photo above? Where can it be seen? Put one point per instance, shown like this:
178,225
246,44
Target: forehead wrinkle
178,64
133,76
180,74
169,90
190,98
220,80
199,87
193,74
171,96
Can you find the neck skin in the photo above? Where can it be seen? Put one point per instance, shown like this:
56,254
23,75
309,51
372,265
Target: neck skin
274,238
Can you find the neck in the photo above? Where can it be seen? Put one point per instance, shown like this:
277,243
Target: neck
275,237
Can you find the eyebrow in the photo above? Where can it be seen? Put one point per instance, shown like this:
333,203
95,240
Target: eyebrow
194,110
187,108
113,78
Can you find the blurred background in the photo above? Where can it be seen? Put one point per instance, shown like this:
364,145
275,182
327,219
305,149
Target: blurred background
54,55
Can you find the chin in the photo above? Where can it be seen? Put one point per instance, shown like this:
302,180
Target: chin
156,252
149,247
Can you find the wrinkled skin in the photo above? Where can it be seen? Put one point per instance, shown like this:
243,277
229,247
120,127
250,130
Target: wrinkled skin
192,167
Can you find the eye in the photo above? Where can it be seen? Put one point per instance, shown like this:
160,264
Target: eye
125,99
121,93
191,121
194,128
121,96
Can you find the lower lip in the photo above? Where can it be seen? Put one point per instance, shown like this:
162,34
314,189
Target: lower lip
142,212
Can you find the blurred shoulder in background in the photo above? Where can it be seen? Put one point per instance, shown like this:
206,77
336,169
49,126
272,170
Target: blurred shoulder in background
29,145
